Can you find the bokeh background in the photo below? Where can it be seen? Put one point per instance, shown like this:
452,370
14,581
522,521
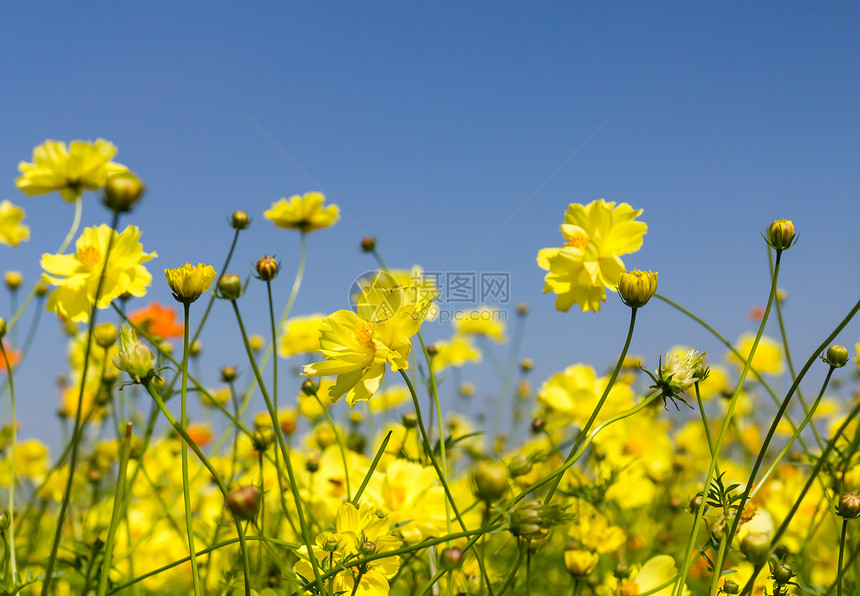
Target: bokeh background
457,133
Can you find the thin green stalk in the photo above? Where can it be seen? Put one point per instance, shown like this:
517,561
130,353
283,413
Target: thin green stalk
215,476
306,538
78,430
186,489
782,408
841,554
339,440
685,565
115,514
13,439
584,432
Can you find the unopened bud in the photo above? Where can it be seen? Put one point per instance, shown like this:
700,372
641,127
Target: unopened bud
367,547
730,587
519,465
637,287
368,244
491,480
122,191
309,387
13,280
836,356
244,502
782,573
848,506
409,420
780,234
228,374
451,558
756,547
105,335
240,220
580,563
230,286
267,268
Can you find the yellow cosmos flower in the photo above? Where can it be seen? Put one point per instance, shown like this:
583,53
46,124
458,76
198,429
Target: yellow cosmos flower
487,320
77,275
357,350
767,359
305,214
12,231
572,395
300,335
655,572
379,295
456,352
389,398
84,165
596,236
189,281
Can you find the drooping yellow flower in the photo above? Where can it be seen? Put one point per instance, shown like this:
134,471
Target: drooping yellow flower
596,236
767,359
456,352
12,231
300,335
77,275
305,214
189,281
84,165
488,321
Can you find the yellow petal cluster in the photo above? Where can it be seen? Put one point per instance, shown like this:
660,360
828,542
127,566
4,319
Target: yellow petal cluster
12,231
596,235
304,213
76,275
189,281
84,165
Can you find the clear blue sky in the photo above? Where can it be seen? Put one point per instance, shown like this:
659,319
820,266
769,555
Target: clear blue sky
458,133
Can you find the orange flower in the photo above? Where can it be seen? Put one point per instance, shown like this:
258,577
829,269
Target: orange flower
200,434
14,357
157,320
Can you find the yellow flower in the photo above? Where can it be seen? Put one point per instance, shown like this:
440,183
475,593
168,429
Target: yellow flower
596,236
12,231
655,572
487,320
190,281
305,214
389,398
77,275
767,359
572,395
356,350
456,352
85,165
300,335
594,531
379,295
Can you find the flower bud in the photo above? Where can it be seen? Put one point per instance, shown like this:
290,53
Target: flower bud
451,558
122,191
780,234
756,547
522,309
312,464
262,438
730,587
526,364
848,506
324,437
782,573
262,420
134,358
257,343
42,289
409,420
368,244
695,503
195,348
538,424
2,326
466,389
287,421
432,350
267,268
228,374
105,335
637,287
244,502
491,480
13,280
309,387
367,547
836,356
239,220
580,563
519,465
5,521
230,286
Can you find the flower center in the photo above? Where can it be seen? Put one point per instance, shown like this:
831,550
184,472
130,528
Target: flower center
364,335
579,240
396,496
628,588
89,256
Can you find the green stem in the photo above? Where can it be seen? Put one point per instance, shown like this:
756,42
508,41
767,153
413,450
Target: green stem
115,514
841,553
186,489
584,432
78,430
685,565
294,488
14,430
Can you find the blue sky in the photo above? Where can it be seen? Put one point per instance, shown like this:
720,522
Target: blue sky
458,133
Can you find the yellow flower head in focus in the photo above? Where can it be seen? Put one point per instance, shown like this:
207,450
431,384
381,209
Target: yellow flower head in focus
12,231
189,281
84,165
487,320
596,235
300,335
77,275
767,359
305,214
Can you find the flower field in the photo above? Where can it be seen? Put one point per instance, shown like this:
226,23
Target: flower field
701,474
